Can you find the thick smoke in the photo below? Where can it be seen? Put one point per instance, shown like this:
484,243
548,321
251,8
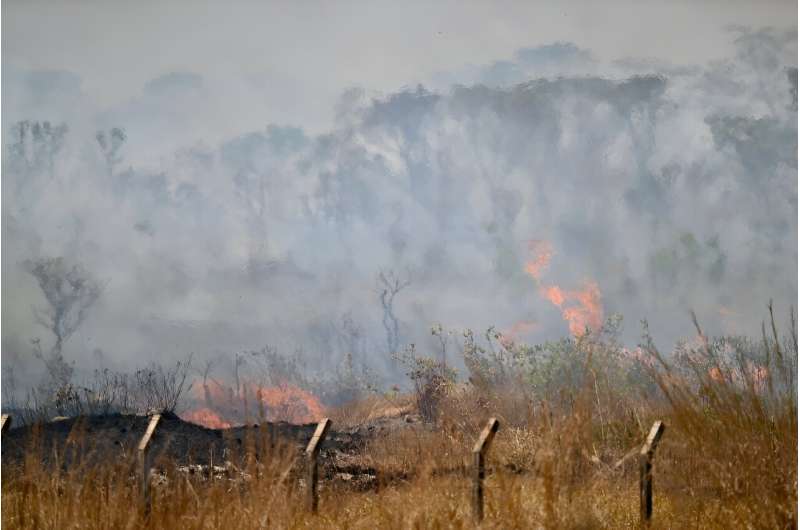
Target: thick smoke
672,188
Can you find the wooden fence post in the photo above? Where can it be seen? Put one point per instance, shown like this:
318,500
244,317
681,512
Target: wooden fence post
144,460
312,476
479,471
646,473
5,423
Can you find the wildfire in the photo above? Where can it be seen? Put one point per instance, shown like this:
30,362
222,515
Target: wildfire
581,308
207,418
638,355
542,254
554,294
225,406
289,403
755,375
588,311
519,329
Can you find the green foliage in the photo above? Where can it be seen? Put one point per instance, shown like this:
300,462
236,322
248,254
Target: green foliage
553,368
432,381
493,365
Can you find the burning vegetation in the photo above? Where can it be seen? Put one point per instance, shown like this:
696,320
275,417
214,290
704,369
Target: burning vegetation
573,412
582,308
225,407
305,270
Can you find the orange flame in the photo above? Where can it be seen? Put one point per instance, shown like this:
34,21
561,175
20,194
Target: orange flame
213,394
289,403
755,374
542,254
554,294
589,311
638,355
581,308
207,418
224,406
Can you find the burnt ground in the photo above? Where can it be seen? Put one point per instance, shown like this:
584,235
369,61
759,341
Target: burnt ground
115,437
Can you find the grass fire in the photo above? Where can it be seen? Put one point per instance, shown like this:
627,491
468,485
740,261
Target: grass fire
376,265
573,414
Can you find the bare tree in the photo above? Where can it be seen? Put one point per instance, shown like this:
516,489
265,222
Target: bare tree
111,144
70,291
350,337
238,360
109,392
389,285
161,389
59,372
206,371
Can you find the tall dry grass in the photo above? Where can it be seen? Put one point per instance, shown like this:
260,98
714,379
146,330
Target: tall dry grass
562,458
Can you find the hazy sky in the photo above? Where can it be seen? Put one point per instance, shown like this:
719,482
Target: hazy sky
279,155
299,56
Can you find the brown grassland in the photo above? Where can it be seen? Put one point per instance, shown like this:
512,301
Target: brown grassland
728,458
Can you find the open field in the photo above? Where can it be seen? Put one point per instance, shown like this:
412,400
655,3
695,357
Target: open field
564,456
367,265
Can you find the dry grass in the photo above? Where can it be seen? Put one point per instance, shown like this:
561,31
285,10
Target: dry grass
727,460
372,407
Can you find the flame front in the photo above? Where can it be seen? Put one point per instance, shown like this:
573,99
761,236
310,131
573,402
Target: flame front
581,308
207,418
289,403
225,406
588,311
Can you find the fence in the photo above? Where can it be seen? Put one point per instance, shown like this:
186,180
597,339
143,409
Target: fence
479,454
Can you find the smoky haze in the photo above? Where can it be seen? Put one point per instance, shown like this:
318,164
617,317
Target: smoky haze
670,187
